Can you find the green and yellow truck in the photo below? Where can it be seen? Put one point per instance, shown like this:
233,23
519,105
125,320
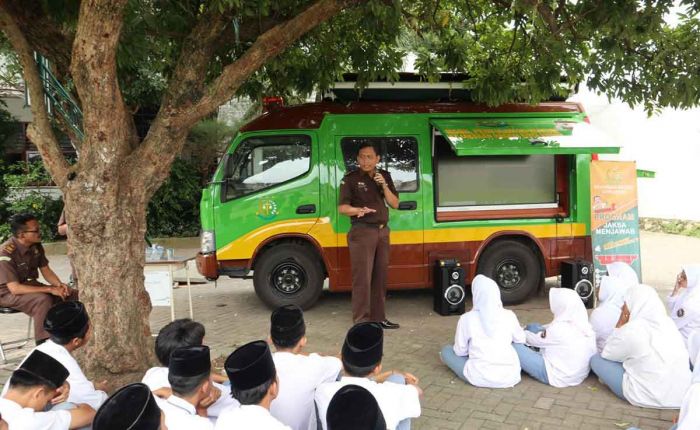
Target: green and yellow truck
504,190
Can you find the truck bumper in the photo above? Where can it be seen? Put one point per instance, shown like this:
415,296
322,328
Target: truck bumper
208,266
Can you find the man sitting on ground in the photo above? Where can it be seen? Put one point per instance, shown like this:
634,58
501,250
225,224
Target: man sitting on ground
299,374
69,328
352,408
133,407
397,393
254,384
178,334
32,387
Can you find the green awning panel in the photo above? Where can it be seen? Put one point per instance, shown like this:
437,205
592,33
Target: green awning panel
523,136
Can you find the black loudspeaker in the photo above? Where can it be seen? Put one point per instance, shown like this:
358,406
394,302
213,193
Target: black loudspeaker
448,288
578,275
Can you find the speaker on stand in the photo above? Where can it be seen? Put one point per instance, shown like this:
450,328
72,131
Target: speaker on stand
448,288
579,276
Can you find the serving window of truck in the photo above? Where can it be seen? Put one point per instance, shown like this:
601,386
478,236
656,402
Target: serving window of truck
505,191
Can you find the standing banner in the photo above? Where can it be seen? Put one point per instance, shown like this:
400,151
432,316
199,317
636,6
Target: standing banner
614,217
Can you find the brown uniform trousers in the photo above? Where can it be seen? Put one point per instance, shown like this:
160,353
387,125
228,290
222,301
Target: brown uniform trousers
36,305
369,260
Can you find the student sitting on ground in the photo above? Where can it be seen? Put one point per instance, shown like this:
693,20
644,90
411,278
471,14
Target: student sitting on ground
397,394
299,374
189,374
178,334
133,407
483,353
566,345
611,296
684,301
69,329
624,272
254,384
354,408
645,360
689,418
31,388
3,424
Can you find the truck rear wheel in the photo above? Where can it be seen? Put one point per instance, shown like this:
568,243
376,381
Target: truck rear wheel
288,273
514,266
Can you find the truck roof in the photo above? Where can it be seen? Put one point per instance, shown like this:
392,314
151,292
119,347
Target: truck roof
311,115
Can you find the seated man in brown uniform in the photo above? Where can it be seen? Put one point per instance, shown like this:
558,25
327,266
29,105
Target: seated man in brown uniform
364,196
21,259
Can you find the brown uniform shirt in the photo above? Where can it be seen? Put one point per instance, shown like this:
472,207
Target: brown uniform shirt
358,189
19,263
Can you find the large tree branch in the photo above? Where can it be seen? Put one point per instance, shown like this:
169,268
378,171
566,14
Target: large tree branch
168,131
94,71
39,130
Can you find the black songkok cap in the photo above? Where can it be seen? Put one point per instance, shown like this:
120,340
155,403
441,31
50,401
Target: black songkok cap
250,365
45,367
354,408
364,345
131,408
66,319
287,324
190,361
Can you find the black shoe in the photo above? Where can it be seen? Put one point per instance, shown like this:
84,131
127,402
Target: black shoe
386,324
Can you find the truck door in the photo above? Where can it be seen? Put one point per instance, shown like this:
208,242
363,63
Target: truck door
399,156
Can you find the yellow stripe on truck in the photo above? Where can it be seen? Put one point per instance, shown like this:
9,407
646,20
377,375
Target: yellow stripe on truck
322,231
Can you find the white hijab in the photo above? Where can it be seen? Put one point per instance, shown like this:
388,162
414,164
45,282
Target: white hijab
646,307
624,272
694,350
568,308
689,416
689,301
612,291
486,298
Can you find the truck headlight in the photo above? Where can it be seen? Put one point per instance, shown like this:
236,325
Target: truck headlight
208,244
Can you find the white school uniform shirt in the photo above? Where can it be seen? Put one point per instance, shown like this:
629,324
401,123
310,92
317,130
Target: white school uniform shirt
299,375
611,297
485,335
685,307
81,389
21,418
182,415
689,418
251,417
568,342
396,401
651,351
157,377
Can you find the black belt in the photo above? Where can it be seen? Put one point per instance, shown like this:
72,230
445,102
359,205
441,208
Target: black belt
364,224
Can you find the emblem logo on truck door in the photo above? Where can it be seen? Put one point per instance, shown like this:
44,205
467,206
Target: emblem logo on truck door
267,209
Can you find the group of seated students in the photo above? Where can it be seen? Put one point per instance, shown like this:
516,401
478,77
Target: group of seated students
287,389
644,356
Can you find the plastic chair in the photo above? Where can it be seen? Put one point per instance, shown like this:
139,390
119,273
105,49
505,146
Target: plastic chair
15,344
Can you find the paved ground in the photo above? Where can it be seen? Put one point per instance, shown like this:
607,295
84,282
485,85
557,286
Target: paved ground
233,315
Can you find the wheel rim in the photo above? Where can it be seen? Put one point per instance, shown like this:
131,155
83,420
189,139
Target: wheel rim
288,277
509,274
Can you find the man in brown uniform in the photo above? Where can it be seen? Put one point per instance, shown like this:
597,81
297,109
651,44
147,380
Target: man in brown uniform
21,259
364,196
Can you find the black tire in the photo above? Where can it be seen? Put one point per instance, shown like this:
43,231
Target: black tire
298,276
514,266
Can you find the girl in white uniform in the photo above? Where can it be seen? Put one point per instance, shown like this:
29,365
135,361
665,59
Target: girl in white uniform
689,418
483,354
611,297
624,272
565,345
644,360
684,301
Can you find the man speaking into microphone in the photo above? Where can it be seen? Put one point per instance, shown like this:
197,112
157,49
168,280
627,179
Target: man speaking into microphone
364,196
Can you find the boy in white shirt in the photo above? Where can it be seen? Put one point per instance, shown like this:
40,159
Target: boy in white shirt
398,395
68,325
189,374
299,374
31,388
352,408
254,384
132,407
177,334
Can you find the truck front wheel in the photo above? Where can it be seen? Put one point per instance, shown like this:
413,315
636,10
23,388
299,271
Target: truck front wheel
288,273
514,266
